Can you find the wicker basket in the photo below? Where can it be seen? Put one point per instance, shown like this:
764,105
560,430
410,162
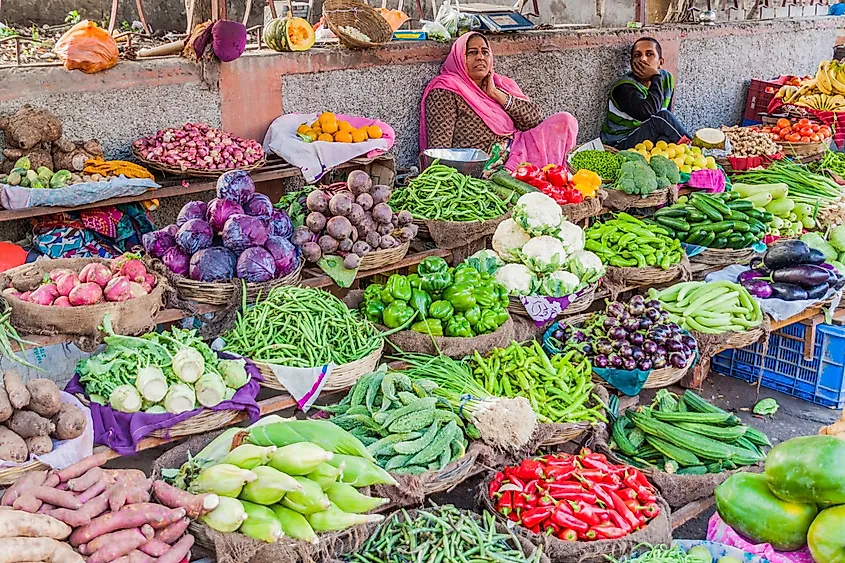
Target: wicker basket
619,201
382,258
737,339
579,305
667,376
555,435
723,256
342,377
803,150
220,293
9,475
639,277
359,16
193,171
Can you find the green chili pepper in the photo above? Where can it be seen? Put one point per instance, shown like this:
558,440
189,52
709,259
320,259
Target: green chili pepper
458,327
429,326
398,287
396,314
373,310
420,302
472,315
460,295
441,310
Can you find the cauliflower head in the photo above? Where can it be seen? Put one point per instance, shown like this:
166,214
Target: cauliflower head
537,213
560,283
572,237
586,265
544,254
509,239
517,279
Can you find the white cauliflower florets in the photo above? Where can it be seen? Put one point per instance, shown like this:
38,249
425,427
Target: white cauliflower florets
537,213
516,278
561,283
586,265
509,239
571,236
544,254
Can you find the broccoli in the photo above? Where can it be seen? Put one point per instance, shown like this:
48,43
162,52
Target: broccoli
632,156
636,178
666,171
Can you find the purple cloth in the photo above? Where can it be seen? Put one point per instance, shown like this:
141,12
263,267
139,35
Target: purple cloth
543,309
122,431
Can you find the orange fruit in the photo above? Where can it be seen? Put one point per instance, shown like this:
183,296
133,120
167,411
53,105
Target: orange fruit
343,137
359,135
315,124
318,131
330,127
374,132
326,117
325,137
344,126
302,129
310,135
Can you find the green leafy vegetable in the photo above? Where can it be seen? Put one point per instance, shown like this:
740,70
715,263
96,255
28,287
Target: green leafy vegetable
766,406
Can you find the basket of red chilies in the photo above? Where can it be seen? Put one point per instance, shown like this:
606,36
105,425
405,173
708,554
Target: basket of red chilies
578,498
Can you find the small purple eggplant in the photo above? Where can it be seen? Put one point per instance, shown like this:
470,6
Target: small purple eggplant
645,364
629,364
749,275
615,360
601,361
677,360
758,288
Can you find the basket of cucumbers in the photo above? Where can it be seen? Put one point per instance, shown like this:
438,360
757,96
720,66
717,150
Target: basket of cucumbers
726,226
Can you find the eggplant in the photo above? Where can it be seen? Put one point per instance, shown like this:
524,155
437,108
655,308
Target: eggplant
788,292
636,338
756,262
785,254
818,292
749,275
649,347
816,257
645,364
758,288
840,283
601,361
806,275
677,360
615,360
629,364
689,341
645,323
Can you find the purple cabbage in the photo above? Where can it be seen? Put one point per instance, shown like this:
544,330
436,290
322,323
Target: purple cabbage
156,243
256,264
219,211
280,224
242,231
176,260
191,210
213,264
284,255
194,235
236,186
259,205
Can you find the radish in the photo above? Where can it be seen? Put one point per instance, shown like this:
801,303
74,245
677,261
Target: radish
66,282
62,301
134,270
12,291
150,280
87,293
25,296
137,290
147,287
118,289
44,295
54,274
97,273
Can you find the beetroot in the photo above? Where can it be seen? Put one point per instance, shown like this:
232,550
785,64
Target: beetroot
25,296
87,293
95,272
66,282
12,291
134,269
150,280
62,301
44,295
54,274
118,289
228,40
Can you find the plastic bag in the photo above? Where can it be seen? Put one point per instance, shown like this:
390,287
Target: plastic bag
394,17
436,31
87,47
449,17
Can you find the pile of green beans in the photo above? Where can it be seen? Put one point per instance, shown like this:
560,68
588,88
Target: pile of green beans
657,554
441,193
444,534
301,327
8,335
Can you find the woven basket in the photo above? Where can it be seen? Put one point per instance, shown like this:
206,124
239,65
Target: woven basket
8,475
738,339
667,376
644,276
359,16
554,435
220,293
193,171
723,256
619,201
590,207
342,377
382,258
802,150
578,306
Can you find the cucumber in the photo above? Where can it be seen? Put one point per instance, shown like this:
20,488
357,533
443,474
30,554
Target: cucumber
504,179
673,223
720,227
696,237
717,204
719,242
755,213
677,212
736,241
695,216
737,215
740,205
708,240
705,208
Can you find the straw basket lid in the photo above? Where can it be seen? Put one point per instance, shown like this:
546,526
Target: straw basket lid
345,15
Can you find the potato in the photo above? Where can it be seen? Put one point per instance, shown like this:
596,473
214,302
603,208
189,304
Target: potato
28,424
12,446
6,409
70,423
45,398
18,395
39,445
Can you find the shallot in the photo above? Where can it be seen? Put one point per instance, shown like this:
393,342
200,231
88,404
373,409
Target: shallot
199,146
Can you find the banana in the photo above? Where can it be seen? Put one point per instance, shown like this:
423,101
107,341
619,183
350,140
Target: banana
839,82
837,102
822,80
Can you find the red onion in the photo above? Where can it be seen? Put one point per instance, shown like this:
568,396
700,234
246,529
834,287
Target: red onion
196,145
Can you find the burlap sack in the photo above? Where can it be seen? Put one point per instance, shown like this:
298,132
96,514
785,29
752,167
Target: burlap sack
590,207
526,329
453,234
617,280
135,316
238,548
657,531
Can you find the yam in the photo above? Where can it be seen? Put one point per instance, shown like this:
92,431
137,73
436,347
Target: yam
48,550
70,422
14,523
179,551
86,481
28,424
196,505
27,481
44,397
82,517
80,467
15,389
12,446
94,490
63,499
125,475
174,531
6,408
136,557
39,445
155,547
130,516
122,494
117,544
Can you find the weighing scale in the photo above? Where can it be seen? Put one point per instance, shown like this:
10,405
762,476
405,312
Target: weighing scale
499,18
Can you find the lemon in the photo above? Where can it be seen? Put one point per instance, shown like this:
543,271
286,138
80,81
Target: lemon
689,159
696,150
639,147
700,161
686,168
649,145
660,145
679,160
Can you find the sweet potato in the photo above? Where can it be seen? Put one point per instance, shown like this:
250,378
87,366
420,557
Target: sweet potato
80,467
125,475
171,516
70,422
136,557
48,550
28,424
86,481
117,543
123,494
179,551
173,532
94,490
155,548
39,445
82,517
27,481
14,523
195,505
6,408
44,397
12,446
15,389
130,516
63,499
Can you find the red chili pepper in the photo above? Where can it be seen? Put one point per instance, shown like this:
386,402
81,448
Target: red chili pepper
568,535
558,459
535,529
530,469
514,479
546,500
535,516
587,513
566,487
620,507
609,533
642,480
589,498
632,505
598,464
603,494
589,535
587,453
520,504
644,495
559,472
513,517
505,503
619,521
650,510
565,520
496,483
627,494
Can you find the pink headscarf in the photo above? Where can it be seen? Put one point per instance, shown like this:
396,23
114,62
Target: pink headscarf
455,78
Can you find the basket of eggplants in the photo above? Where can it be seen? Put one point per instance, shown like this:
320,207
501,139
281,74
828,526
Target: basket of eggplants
792,271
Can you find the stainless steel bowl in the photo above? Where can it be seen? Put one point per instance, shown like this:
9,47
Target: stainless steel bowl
466,161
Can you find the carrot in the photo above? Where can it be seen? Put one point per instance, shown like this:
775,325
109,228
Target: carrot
82,517
14,523
92,491
112,537
121,543
86,481
179,551
172,532
130,516
155,547
63,499
81,467
196,505
29,480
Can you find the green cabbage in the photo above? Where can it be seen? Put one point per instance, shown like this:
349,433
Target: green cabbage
837,237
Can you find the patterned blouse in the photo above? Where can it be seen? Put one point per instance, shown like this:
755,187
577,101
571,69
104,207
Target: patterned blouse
451,123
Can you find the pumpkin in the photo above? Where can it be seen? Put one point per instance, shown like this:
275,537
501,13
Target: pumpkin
289,34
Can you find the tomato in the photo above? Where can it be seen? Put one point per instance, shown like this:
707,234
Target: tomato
784,134
793,137
783,123
815,138
805,139
824,131
803,121
776,129
815,127
806,131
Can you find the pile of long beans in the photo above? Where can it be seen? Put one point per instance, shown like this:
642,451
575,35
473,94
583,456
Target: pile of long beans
444,194
658,554
441,534
558,389
301,327
831,161
804,185
9,335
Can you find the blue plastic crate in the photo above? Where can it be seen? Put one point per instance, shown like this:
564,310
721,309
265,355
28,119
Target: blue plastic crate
820,380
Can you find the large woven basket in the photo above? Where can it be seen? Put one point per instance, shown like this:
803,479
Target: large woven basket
738,339
220,293
645,276
9,475
341,15
619,201
723,256
382,258
558,434
803,150
667,376
577,306
177,171
342,377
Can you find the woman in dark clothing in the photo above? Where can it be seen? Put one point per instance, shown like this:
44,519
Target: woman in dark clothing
640,101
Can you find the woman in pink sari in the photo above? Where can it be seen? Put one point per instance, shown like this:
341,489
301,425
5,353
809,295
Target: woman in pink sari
469,106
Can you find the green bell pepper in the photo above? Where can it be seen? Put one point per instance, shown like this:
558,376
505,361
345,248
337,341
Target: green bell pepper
440,310
472,315
374,310
420,302
467,274
826,533
458,327
501,314
399,287
504,298
396,314
460,295
486,294
435,282
432,265
487,322
429,326
373,291
414,280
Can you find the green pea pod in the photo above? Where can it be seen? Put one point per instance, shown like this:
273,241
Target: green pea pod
429,326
